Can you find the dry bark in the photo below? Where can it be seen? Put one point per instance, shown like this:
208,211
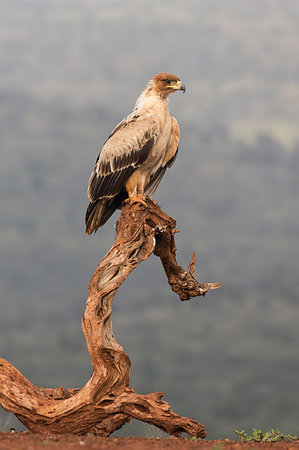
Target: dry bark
107,402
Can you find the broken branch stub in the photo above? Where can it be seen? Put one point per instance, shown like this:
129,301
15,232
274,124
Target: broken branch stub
106,402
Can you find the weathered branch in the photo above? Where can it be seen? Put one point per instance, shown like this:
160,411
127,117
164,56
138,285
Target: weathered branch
107,402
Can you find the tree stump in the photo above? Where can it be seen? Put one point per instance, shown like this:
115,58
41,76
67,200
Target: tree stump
107,402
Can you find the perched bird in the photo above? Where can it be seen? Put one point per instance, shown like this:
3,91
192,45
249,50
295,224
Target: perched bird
137,153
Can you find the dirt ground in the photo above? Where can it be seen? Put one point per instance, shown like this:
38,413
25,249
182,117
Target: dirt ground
29,441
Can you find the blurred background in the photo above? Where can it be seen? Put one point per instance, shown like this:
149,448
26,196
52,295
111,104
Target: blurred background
70,70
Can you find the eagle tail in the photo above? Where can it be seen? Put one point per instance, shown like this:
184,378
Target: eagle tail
100,211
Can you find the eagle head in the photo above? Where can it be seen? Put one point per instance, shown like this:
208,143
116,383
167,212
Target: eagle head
165,83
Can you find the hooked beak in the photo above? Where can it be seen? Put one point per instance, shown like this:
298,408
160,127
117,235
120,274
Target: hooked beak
180,86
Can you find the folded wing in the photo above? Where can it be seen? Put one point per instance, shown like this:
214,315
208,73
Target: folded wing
126,149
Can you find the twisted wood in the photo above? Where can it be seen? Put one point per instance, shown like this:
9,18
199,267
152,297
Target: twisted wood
107,402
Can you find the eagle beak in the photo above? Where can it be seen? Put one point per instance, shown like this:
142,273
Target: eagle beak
181,86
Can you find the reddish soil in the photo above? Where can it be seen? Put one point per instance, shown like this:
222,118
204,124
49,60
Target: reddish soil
30,441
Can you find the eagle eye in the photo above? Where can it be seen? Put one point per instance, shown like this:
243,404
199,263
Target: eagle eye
167,81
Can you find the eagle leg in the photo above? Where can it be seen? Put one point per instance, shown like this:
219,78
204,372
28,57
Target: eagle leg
136,198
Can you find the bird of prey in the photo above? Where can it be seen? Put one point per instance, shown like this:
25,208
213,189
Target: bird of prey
137,153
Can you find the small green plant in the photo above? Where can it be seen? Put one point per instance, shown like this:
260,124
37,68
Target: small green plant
194,438
217,446
269,436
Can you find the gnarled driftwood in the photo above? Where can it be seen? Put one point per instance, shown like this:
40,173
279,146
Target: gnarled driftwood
107,402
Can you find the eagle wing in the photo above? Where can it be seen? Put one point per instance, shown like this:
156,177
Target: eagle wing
126,149
169,158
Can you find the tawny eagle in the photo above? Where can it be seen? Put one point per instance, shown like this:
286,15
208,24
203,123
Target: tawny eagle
137,153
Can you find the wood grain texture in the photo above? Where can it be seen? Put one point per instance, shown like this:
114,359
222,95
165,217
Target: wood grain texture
107,402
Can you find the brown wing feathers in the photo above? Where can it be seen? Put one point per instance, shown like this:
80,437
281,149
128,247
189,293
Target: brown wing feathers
100,211
106,183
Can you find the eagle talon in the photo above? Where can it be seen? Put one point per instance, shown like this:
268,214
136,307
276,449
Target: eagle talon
137,199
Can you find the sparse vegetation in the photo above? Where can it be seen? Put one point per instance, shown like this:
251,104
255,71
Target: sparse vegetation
217,446
270,436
